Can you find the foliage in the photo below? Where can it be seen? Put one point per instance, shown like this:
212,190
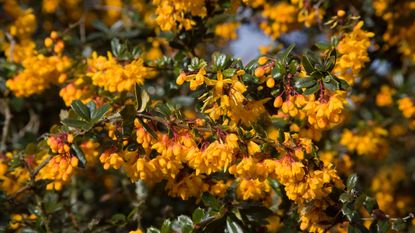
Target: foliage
132,116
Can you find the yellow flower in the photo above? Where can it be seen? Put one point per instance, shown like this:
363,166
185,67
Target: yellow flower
189,186
227,30
25,25
252,189
371,142
116,77
384,97
353,54
280,18
39,73
171,14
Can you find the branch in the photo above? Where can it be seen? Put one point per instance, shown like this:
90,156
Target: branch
5,109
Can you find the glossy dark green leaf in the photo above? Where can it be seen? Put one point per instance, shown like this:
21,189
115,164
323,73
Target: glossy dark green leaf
210,201
357,229
116,47
79,154
305,82
370,204
251,65
152,230
92,107
166,226
312,89
345,197
331,61
77,124
351,182
287,52
198,215
100,112
229,72
332,85
232,226
185,224
398,225
142,98
221,61
307,64
118,219
383,226
147,128
276,74
343,84
81,110
323,45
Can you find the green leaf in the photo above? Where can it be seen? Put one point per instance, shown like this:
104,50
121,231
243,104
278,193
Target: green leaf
351,182
232,226
147,128
383,226
307,64
398,225
229,72
92,107
77,124
142,98
343,84
305,82
370,204
79,154
275,186
331,61
357,229
81,109
251,65
116,47
185,224
128,115
166,227
100,112
152,230
118,219
346,197
276,73
287,52
323,45
332,85
221,61
198,215
312,89
210,201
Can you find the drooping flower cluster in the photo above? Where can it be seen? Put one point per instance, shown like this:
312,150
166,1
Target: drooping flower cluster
60,167
353,53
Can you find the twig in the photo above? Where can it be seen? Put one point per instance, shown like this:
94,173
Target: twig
12,45
41,165
177,124
5,109
31,126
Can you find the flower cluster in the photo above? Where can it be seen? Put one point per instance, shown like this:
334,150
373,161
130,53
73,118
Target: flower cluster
171,14
353,53
113,76
369,142
60,167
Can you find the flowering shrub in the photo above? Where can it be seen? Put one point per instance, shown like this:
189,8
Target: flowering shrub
128,116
